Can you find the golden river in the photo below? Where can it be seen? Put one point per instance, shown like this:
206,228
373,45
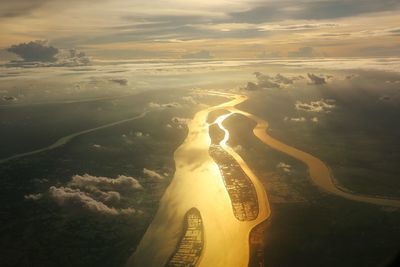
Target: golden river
198,183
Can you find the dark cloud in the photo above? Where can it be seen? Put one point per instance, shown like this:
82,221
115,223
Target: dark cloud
314,79
316,10
121,81
302,52
40,54
203,54
9,98
35,51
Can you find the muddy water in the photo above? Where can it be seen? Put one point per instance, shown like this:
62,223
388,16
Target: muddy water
197,183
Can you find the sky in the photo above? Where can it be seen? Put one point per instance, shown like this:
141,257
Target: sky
193,29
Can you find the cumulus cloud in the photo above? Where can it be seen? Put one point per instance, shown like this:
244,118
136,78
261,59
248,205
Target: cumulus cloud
35,51
322,105
302,52
33,196
71,58
238,148
284,167
121,183
180,121
189,99
314,79
202,54
152,174
299,119
78,200
138,134
40,54
9,98
266,81
94,194
165,105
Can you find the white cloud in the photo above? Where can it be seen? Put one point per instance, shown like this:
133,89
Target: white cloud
180,121
165,105
152,174
94,194
265,81
237,148
297,27
322,105
300,119
122,182
284,167
76,199
189,99
33,196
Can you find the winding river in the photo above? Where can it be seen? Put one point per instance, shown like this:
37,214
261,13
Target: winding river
64,140
197,183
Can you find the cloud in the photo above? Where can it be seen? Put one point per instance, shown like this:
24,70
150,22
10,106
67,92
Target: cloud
271,54
111,197
33,196
35,51
121,81
40,54
165,105
384,98
322,105
284,167
152,174
309,10
95,194
202,54
302,52
237,148
314,79
265,81
121,183
299,119
9,98
180,121
297,27
71,58
78,200
189,99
